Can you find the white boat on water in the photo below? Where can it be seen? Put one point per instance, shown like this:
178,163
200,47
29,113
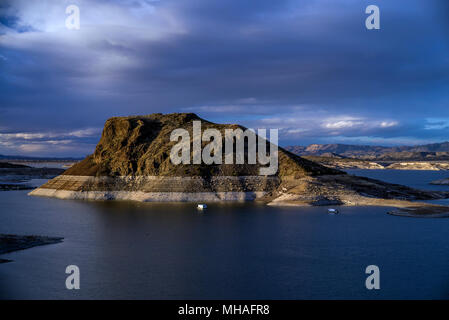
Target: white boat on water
332,211
202,206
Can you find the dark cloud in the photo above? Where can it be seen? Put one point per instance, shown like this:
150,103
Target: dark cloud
260,63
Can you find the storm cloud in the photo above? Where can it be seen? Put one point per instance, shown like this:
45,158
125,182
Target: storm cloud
309,68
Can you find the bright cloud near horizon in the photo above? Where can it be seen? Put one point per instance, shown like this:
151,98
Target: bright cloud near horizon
307,67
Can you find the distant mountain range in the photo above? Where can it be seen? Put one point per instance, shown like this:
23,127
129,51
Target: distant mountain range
434,151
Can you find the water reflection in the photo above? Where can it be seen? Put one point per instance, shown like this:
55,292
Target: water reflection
144,250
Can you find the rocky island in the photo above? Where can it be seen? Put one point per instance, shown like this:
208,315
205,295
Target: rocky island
132,162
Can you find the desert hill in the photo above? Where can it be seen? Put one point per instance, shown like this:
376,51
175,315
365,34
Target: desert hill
132,162
141,145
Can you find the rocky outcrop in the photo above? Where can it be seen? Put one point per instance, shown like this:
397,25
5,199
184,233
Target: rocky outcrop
140,146
427,211
10,243
349,190
132,162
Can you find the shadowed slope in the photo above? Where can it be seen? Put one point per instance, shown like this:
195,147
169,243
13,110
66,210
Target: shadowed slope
141,146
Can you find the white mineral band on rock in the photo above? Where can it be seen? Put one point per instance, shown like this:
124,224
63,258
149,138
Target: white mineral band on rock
148,196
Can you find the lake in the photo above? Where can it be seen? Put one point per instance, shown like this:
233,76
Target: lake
127,250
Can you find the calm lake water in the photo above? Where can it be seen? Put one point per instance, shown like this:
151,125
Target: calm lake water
241,251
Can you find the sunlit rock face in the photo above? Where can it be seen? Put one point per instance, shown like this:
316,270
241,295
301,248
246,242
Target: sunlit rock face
132,162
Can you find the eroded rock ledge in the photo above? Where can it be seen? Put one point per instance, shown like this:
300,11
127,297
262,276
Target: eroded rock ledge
161,189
